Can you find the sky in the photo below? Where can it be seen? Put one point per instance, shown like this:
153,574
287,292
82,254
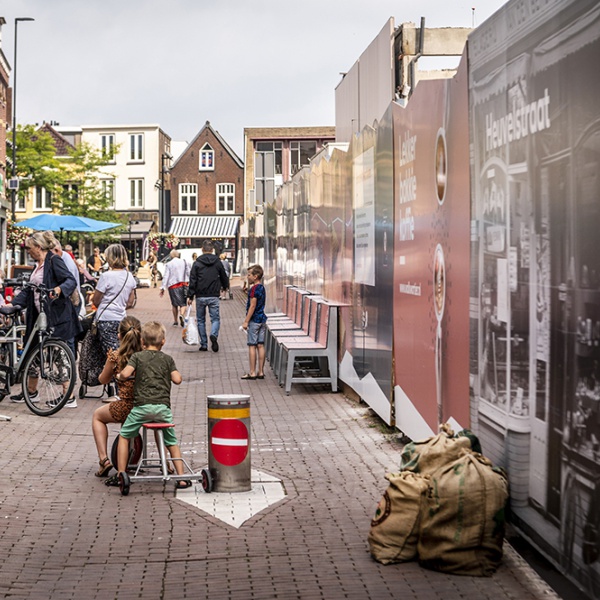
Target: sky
180,63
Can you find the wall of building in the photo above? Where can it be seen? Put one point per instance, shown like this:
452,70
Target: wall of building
5,115
226,170
494,304
252,135
124,169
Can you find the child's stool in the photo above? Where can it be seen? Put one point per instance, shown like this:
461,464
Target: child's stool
152,463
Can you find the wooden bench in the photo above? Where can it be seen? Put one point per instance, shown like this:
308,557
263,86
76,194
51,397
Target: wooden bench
321,343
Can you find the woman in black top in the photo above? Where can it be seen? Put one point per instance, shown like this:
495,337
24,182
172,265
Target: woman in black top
51,271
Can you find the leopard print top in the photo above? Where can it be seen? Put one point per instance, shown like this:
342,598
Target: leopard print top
121,408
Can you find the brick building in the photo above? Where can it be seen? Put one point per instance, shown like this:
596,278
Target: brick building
273,155
207,192
5,170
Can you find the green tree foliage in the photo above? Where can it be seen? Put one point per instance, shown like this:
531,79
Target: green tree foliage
72,180
82,192
37,164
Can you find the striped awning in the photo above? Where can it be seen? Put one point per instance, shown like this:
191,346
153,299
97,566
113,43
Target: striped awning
205,227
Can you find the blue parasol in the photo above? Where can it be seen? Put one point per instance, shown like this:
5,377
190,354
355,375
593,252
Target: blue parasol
54,222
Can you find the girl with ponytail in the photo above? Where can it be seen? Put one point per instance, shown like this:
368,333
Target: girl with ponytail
116,411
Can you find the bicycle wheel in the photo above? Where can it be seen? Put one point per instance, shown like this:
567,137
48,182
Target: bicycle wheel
5,369
54,368
136,447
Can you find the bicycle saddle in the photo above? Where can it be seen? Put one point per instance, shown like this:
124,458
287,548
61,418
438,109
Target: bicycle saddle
10,310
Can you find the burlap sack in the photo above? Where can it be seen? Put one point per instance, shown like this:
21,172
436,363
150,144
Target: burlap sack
462,524
395,527
428,455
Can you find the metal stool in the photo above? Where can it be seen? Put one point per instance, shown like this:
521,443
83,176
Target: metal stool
161,463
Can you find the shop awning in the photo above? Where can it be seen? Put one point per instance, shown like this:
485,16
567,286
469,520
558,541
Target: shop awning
205,227
570,39
139,229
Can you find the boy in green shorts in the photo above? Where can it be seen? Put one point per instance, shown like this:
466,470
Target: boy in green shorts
154,372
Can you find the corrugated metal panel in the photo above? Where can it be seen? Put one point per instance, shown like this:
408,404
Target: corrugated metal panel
205,227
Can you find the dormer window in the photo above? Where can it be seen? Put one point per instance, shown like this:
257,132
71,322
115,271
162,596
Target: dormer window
207,158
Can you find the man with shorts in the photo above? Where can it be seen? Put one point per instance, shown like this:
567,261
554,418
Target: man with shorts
175,279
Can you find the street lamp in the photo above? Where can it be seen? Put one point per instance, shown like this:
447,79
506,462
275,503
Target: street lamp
131,253
13,199
162,209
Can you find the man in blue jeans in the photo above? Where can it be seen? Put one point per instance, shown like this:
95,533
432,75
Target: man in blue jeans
206,280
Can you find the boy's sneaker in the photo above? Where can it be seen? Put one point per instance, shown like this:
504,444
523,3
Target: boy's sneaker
20,398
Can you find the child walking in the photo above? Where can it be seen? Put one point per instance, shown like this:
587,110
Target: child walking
255,323
130,341
154,372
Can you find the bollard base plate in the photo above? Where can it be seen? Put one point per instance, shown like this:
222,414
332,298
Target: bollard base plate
236,508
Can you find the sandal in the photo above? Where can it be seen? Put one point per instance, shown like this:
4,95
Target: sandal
105,467
113,480
260,377
248,376
183,484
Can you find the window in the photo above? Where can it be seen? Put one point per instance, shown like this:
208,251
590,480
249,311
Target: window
107,146
136,147
136,193
43,199
264,177
207,158
277,148
300,152
71,192
20,203
188,197
108,191
225,198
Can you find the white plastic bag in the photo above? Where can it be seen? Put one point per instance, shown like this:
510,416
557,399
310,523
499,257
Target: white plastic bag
190,334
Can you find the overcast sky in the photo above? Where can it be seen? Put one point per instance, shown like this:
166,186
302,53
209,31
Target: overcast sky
179,63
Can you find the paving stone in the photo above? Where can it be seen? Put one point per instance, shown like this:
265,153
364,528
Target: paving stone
64,534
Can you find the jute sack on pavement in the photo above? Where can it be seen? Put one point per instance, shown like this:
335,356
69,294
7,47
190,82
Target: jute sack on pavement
462,524
395,527
428,455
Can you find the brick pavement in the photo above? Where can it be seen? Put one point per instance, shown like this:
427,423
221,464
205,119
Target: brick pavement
63,534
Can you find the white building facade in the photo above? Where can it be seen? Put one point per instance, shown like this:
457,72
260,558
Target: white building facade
133,178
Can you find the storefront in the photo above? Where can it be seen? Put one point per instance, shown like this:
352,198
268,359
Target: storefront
222,231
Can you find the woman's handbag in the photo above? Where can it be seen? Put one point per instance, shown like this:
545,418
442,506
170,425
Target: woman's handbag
91,359
75,298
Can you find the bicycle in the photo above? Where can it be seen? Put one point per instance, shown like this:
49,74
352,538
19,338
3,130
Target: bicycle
43,357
